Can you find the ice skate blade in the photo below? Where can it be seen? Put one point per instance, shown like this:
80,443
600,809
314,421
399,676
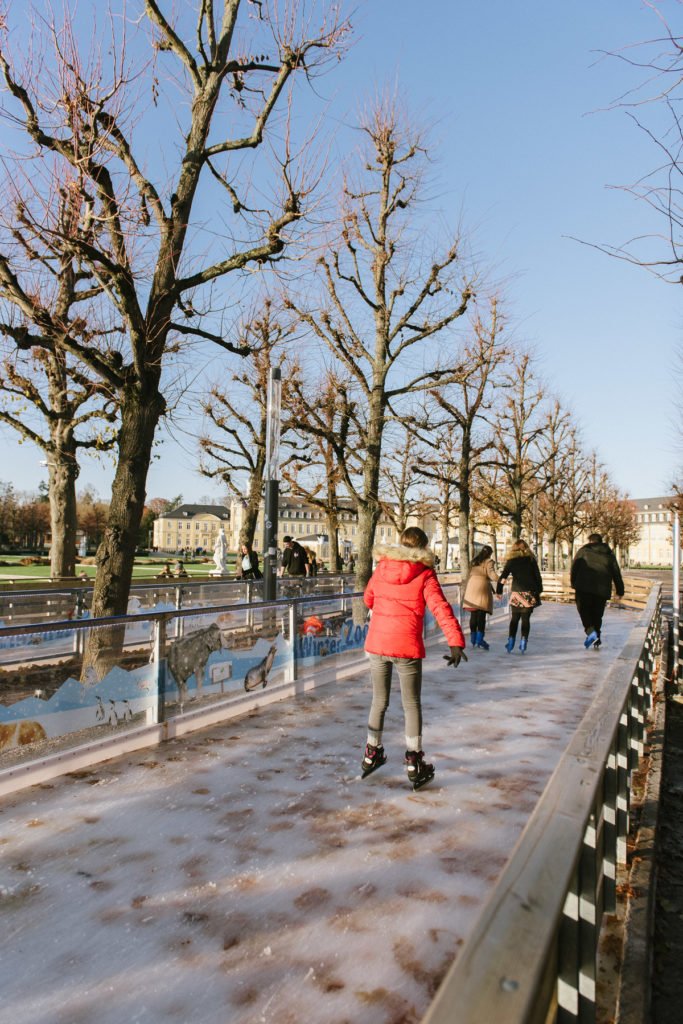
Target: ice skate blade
364,772
423,782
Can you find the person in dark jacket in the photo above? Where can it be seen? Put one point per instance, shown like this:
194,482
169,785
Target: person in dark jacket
248,564
527,587
294,558
401,587
594,571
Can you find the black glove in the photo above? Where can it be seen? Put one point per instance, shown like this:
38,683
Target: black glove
455,657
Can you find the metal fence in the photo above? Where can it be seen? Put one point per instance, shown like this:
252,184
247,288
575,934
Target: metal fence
78,691
19,607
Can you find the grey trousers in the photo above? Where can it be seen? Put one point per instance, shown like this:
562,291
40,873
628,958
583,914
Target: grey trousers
410,678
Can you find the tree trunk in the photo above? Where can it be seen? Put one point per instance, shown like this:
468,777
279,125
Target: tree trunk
368,517
464,538
444,522
63,471
336,563
248,530
140,413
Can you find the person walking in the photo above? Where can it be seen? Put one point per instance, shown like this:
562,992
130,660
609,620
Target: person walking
527,587
249,564
402,586
312,562
478,596
594,570
294,558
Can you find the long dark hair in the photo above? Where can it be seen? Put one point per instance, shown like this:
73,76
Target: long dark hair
483,555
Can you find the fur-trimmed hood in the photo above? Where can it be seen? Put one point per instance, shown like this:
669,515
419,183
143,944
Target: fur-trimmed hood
401,553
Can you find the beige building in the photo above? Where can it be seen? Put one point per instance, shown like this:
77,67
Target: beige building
655,544
190,527
308,525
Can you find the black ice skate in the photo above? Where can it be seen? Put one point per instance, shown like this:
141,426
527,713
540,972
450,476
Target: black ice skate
419,773
373,759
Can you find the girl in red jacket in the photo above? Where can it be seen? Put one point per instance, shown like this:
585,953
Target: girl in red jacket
403,583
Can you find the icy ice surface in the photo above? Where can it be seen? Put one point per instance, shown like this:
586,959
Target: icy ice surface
247,875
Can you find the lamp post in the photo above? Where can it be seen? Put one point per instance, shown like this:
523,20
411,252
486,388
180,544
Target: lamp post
272,476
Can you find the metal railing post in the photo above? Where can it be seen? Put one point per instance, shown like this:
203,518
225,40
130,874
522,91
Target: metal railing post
675,670
159,658
293,623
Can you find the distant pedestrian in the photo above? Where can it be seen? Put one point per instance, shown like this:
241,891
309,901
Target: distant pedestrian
312,562
294,558
402,585
478,596
594,570
527,587
352,563
248,564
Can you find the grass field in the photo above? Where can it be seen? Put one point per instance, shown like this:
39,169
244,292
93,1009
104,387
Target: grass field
144,568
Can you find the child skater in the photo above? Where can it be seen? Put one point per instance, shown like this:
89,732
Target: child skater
527,587
403,583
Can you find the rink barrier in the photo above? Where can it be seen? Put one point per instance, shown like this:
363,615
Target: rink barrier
138,703
19,607
532,955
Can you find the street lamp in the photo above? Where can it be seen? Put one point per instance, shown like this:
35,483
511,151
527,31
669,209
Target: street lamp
272,475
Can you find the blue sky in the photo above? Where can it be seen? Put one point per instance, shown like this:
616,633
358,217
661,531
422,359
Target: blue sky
516,97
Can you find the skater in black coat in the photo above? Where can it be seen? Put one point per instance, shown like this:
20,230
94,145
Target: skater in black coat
527,587
593,572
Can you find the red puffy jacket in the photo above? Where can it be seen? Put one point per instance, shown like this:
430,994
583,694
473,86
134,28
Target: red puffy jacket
400,587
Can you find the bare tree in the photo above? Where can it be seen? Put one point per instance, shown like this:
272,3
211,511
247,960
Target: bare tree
653,104
384,298
233,449
134,232
399,481
522,452
558,443
49,398
466,403
321,418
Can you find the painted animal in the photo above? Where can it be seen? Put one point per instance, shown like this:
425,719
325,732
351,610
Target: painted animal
18,734
190,654
258,675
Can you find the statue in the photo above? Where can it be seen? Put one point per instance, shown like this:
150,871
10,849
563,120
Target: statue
220,553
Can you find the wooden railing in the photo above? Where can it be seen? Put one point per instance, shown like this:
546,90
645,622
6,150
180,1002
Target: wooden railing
637,589
531,958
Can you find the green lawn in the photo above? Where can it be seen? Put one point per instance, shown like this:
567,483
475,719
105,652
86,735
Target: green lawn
143,569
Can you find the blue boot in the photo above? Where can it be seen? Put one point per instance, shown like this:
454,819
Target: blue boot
510,644
522,644
473,638
479,641
590,639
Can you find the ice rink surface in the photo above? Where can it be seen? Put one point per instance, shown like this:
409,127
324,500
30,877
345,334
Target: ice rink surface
247,875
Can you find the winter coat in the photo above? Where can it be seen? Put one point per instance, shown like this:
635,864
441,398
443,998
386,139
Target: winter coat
526,576
478,594
253,572
402,585
295,560
595,569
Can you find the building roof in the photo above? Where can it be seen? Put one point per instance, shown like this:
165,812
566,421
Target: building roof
190,511
654,504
